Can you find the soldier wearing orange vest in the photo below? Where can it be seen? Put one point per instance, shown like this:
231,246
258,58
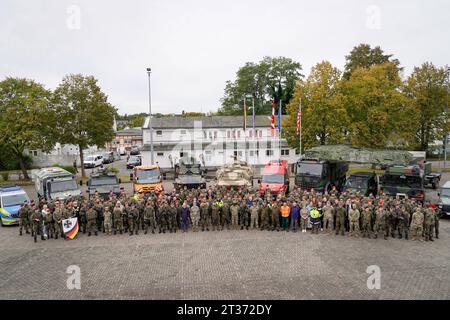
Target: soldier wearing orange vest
285,212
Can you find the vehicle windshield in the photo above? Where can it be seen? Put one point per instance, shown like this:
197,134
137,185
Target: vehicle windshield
314,169
14,200
148,176
445,193
61,186
273,178
356,183
402,181
192,170
102,181
90,158
133,159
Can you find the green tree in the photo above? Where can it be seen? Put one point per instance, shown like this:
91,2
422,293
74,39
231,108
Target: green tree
324,116
376,107
427,90
364,56
26,118
271,78
85,117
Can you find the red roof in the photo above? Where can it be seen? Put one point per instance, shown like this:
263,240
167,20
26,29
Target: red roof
274,168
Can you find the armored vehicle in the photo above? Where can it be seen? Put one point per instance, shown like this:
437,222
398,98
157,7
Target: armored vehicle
235,174
103,182
189,173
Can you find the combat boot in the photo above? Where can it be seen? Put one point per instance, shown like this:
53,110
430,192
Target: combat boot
153,231
89,234
28,232
137,232
145,232
385,237
376,236
35,238
95,232
20,232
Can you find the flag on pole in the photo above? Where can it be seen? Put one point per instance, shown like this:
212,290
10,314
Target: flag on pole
70,227
279,118
245,116
273,118
299,116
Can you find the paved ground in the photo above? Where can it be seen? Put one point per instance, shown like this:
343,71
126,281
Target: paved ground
224,265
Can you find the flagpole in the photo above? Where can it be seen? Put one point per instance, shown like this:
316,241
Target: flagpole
300,136
279,131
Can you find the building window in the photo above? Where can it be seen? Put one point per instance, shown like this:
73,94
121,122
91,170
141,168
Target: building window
239,134
269,152
33,153
228,134
159,132
251,134
285,152
183,132
215,135
204,134
160,154
252,153
260,133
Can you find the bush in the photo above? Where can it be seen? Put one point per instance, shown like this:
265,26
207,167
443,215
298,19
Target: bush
5,175
71,169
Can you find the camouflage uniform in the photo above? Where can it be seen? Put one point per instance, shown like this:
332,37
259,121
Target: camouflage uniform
195,217
429,223
132,215
417,225
367,222
380,223
403,224
24,219
91,221
215,214
340,220
57,219
118,218
205,216
234,209
254,216
149,218
107,221
275,217
35,218
354,215
328,212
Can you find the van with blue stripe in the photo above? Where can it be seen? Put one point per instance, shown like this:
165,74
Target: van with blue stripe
11,199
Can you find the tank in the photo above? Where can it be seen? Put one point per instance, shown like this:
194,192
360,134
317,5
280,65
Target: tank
235,174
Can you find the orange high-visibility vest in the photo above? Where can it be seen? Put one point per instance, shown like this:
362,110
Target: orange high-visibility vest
285,211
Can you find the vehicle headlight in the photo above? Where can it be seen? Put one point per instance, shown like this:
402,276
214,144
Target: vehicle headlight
440,206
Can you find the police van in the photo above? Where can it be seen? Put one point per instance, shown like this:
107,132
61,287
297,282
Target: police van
11,198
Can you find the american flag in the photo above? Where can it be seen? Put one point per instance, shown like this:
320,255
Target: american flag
273,118
299,116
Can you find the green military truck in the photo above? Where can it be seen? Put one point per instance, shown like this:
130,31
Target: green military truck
56,183
320,175
103,182
365,183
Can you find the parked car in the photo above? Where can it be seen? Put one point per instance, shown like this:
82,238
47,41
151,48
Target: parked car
134,161
122,151
108,157
134,151
93,161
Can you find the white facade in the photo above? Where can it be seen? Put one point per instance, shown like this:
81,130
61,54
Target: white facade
214,146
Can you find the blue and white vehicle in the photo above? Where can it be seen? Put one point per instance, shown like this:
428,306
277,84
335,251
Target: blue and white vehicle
11,199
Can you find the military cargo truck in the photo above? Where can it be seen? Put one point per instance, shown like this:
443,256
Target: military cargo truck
103,182
320,175
56,183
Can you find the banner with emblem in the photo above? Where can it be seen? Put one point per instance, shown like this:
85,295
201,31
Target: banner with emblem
70,227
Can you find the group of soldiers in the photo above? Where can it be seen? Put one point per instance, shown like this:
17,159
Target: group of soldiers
217,208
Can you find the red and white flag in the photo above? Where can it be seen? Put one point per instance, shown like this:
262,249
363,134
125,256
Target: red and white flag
273,118
299,116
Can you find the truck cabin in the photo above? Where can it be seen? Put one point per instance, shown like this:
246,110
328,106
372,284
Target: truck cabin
193,169
147,175
275,176
103,184
319,174
404,181
363,182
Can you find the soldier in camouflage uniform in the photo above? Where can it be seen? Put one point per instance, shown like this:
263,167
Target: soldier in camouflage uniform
35,218
380,223
172,218
328,215
367,222
24,218
254,210
275,217
83,212
205,215
403,223
149,217
49,223
340,219
429,223
215,215
353,216
132,215
244,219
234,209
107,221
118,218
57,219
417,224
91,216
225,217
195,216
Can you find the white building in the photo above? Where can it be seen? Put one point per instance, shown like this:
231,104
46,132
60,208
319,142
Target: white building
213,141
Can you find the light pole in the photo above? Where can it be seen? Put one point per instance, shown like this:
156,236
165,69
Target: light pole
149,71
446,114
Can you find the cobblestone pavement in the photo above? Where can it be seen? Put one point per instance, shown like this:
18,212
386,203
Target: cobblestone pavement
224,265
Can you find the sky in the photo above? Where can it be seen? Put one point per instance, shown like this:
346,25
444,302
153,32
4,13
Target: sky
194,46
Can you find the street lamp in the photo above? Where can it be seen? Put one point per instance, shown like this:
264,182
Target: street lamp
149,71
